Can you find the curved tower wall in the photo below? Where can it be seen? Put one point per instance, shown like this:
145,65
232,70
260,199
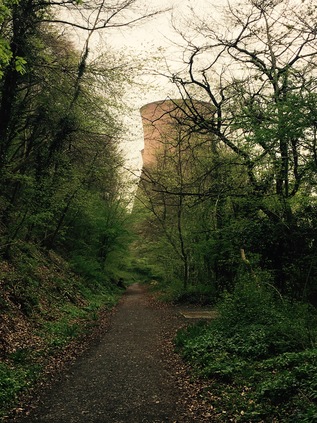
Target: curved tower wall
162,121
157,123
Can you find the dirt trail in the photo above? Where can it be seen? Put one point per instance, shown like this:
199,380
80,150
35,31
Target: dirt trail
126,377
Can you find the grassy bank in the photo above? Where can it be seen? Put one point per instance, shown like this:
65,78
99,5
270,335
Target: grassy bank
46,310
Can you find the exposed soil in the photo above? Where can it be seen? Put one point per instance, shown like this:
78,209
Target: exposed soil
130,374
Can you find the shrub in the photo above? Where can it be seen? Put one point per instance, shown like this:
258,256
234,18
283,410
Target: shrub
13,380
259,356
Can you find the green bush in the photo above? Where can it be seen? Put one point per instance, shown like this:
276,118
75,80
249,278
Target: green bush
88,268
13,380
259,356
196,294
250,302
255,309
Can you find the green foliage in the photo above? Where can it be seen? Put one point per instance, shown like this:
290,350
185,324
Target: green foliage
88,268
14,379
5,56
75,315
60,333
20,65
61,164
198,294
259,356
98,240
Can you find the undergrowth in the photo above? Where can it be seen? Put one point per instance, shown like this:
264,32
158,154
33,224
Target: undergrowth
196,294
259,355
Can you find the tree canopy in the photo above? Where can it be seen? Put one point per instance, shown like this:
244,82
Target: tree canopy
257,70
60,128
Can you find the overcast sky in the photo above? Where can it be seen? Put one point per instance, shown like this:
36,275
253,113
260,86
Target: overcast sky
158,34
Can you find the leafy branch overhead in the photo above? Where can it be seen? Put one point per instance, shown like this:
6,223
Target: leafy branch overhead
258,75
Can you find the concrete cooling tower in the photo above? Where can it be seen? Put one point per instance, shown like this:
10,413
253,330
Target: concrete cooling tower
163,121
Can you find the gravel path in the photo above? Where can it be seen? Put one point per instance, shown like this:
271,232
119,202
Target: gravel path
127,376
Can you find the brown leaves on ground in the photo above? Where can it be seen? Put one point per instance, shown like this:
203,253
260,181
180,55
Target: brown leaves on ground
195,401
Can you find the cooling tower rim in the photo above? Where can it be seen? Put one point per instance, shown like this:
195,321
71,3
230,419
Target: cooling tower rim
175,102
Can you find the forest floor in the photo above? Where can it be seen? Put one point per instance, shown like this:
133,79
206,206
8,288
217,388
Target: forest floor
129,372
